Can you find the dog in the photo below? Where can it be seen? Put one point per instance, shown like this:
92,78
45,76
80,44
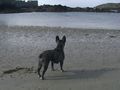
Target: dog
54,56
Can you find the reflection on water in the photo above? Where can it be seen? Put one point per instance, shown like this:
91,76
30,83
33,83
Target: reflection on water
69,19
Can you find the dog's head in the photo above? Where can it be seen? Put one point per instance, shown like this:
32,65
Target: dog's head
60,42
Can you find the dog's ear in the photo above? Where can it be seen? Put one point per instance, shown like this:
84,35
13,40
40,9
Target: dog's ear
64,38
57,38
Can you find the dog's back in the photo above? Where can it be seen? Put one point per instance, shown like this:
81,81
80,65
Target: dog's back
52,55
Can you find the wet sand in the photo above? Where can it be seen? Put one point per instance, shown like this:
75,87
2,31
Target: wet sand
92,59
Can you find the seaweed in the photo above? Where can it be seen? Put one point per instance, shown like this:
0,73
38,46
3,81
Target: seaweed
12,70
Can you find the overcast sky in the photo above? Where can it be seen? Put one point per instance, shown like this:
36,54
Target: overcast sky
77,3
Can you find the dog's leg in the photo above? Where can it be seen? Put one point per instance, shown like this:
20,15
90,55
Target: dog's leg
45,69
39,68
52,66
61,66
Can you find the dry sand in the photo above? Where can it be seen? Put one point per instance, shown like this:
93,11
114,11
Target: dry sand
92,59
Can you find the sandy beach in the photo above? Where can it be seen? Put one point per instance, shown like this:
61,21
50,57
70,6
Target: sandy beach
92,58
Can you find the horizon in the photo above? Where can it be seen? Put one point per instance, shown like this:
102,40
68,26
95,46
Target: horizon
76,3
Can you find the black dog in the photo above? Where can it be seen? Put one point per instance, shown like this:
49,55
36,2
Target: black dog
55,56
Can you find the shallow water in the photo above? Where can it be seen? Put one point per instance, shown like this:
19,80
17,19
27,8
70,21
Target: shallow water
68,19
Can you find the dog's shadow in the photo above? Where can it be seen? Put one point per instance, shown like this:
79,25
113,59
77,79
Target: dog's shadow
82,74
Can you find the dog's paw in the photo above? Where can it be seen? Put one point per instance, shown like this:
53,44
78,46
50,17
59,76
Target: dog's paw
39,76
62,70
42,78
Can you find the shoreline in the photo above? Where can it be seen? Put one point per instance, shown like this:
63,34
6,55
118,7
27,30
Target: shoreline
59,27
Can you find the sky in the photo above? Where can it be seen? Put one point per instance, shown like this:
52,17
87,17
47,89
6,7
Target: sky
77,3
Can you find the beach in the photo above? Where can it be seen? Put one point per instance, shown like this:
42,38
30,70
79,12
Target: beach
92,58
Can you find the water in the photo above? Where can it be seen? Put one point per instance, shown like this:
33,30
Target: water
69,19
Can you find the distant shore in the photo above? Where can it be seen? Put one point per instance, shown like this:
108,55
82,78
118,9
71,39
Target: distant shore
109,7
